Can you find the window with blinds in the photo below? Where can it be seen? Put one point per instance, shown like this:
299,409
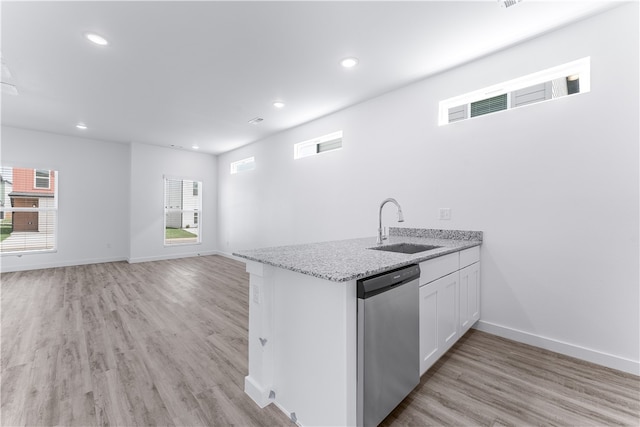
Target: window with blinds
28,210
563,80
322,144
182,211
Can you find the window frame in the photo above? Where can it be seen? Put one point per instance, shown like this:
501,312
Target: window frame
304,149
244,165
190,212
580,67
48,210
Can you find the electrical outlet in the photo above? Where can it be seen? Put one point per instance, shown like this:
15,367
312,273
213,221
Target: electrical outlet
445,214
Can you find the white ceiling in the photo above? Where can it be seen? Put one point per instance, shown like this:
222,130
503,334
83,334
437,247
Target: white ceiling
186,73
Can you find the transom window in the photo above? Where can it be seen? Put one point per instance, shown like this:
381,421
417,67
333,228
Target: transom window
322,144
243,165
563,80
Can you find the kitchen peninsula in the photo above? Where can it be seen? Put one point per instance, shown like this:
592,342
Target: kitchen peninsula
303,315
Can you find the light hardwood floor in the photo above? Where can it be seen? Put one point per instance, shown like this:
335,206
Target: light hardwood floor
165,343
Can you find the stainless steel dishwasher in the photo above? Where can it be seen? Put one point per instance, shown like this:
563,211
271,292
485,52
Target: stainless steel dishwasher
388,342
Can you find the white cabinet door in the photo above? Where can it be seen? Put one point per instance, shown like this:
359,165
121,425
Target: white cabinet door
428,327
438,319
469,296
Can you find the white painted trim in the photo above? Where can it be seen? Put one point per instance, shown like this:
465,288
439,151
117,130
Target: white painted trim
115,259
27,267
256,393
287,413
587,354
174,256
231,256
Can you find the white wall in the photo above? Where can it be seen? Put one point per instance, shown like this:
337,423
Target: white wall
93,196
149,165
110,198
554,186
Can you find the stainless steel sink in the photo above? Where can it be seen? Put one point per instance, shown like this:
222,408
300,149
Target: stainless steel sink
405,248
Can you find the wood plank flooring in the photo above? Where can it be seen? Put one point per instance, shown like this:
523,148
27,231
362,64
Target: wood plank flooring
165,343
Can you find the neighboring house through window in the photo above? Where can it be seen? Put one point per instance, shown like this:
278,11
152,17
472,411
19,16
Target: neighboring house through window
28,210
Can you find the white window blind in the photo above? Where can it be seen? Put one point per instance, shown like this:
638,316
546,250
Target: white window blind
457,113
531,94
28,210
182,211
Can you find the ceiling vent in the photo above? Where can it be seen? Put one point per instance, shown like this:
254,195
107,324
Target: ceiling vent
508,3
256,120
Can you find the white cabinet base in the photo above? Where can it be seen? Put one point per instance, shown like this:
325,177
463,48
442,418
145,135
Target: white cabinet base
302,345
469,296
438,319
449,305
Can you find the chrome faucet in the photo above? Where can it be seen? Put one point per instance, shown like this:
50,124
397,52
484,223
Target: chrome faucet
381,235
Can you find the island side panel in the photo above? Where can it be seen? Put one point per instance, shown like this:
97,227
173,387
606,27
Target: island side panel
315,356
259,383
307,355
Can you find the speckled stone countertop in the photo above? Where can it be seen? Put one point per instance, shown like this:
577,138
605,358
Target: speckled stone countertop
344,260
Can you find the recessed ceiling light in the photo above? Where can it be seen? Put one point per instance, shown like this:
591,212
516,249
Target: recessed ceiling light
81,126
278,104
195,147
349,62
97,39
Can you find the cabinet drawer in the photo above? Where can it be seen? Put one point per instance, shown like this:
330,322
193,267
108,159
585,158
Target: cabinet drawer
435,268
469,256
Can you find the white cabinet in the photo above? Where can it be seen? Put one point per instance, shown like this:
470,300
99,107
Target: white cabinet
436,268
469,288
469,296
449,302
439,327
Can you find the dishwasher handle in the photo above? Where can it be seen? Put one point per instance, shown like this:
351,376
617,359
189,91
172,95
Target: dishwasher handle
382,282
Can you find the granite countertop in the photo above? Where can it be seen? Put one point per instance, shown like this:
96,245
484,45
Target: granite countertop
345,260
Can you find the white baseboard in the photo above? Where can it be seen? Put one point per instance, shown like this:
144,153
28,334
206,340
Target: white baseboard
40,266
593,356
231,256
172,256
259,395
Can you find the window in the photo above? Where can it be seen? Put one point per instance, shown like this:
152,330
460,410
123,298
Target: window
182,211
42,178
323,144
563,80
28,210
243,165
